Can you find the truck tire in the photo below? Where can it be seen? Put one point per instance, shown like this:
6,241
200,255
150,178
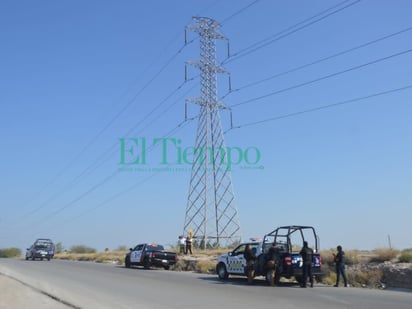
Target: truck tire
221,271
146,263
166,267
127,262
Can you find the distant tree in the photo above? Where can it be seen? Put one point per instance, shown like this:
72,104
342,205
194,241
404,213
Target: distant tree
81,249
59,247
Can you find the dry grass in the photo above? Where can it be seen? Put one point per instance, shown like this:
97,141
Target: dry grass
406,256
351,257
382,255
100,257
365,278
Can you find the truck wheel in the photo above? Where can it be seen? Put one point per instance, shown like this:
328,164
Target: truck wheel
127,262
166,267
221,271
146,263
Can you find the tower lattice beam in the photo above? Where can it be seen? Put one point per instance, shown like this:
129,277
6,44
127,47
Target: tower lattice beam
211,213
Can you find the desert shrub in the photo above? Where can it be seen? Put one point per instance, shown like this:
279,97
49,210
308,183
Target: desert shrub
180,265
382,255
82,249
329,278
406,256
10,252
59,248
351,257
368,278
205,266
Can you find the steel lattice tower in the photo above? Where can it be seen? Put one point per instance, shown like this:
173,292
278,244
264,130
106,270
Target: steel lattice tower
211,214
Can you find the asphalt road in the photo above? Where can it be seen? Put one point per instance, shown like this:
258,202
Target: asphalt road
92,285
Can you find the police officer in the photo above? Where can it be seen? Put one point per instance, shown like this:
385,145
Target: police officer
273,264
307,257
250,262
339,259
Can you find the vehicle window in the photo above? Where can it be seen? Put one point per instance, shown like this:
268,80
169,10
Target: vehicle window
282,246
155,247
138,248
239,250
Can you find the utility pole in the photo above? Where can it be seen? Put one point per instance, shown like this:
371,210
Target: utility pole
211,214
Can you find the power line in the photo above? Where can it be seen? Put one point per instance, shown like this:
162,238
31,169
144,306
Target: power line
322,107
304,66
323,78
239,11
101,204
289,31
103,158
108,125
75,180
106,155
134,186
105,180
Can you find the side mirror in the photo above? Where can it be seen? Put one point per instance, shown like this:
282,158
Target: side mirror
229,253
130,249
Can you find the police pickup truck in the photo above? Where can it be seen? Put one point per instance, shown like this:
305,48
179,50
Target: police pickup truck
148,255
288,241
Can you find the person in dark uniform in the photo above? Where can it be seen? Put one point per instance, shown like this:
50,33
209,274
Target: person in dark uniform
250,258
273,264
188,245
339,259
307,257
248,254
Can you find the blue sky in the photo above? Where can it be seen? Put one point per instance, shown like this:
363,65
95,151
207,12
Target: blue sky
77,76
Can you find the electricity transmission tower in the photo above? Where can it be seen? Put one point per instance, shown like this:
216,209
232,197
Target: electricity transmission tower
211,214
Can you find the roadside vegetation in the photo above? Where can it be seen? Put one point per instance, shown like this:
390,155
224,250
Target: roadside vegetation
406,256
10,253
363,267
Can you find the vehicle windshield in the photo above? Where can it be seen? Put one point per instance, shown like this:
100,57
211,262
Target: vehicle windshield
41,247
155,247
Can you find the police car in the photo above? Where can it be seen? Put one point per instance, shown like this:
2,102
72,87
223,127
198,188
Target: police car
234,262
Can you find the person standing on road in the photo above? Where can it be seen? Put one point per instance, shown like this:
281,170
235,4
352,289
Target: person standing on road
188,244
307,257
273,264
182,244
250,258
339,259
248,254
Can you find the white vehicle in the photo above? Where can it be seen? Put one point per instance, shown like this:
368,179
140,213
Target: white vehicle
234,262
